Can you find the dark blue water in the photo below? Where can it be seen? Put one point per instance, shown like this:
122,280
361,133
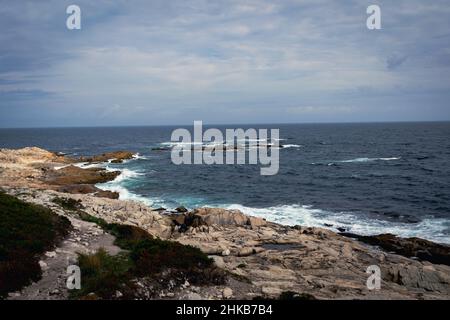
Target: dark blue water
368,178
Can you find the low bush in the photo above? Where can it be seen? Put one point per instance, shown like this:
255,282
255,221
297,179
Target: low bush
68,203
103,275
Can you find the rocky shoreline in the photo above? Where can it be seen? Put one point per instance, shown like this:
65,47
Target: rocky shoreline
259,258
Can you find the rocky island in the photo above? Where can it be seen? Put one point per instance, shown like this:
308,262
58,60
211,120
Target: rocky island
127,250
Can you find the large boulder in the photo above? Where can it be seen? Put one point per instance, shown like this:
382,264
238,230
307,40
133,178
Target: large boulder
223,217
74,175
29,155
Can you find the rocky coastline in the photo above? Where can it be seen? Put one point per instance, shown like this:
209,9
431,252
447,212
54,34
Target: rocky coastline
252,257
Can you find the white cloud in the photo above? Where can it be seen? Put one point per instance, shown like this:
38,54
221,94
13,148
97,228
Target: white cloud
201,55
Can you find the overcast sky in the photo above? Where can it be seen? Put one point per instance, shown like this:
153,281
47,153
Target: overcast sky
171,62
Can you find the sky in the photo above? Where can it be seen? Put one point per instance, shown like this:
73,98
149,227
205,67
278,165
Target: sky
167,62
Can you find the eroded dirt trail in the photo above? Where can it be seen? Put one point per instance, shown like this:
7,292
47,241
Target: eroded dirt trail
85,237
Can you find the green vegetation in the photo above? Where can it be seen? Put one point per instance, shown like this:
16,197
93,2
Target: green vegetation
87,217
127,237
68,203
152,256
26,231
103,275
145,257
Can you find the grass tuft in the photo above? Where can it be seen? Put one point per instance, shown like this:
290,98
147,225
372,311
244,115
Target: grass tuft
68,203
103,275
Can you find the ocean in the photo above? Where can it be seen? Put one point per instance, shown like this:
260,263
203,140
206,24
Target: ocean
366,178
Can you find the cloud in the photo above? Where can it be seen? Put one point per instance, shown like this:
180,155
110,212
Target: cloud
166,61
395,61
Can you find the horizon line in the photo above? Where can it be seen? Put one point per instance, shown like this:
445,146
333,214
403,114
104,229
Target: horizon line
225,124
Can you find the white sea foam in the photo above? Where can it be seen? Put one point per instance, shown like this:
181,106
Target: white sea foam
125,174
136,156
87,165
251,140
432,229
125,194
369,159
61,167
173,143
285,146
356,160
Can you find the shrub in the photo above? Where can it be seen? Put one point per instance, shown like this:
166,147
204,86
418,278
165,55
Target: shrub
151,256
103,275
128,237
68,203
154,257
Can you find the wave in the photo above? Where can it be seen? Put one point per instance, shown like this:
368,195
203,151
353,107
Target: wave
136,156
368,160
83,165
432,229
356,160
125,194
87,165
125,174
173,143
285,146
119,185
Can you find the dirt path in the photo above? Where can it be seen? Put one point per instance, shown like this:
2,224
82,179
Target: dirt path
86,237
